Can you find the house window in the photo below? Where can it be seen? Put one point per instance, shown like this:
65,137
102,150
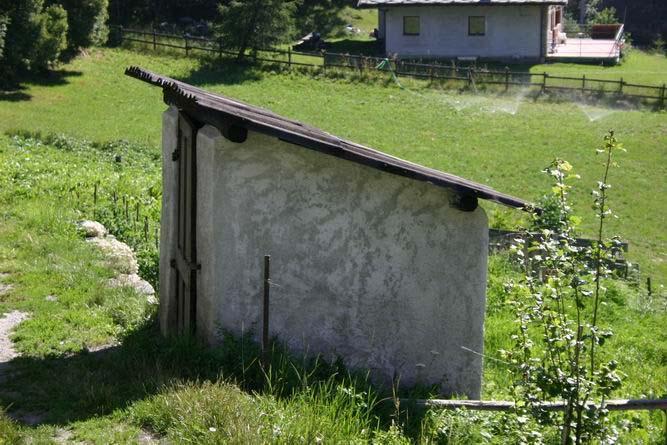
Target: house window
476,25
411,26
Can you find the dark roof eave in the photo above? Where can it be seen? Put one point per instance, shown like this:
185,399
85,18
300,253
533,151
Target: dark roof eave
216,110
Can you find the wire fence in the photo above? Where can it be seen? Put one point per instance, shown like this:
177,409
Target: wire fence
470,76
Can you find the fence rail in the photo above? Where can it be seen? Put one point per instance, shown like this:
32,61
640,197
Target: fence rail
468,75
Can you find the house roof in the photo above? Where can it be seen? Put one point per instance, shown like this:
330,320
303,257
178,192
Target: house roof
221,111
376,3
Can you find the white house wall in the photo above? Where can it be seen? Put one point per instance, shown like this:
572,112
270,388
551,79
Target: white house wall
368,266
512,32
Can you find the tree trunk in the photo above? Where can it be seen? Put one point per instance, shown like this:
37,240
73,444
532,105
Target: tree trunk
250,29
582,11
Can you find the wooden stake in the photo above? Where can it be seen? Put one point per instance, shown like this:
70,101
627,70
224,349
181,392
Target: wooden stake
265,312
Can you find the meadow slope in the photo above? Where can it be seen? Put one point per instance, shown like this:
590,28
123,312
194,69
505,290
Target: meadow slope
501,141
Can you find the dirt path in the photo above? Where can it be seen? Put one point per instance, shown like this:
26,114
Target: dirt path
7,323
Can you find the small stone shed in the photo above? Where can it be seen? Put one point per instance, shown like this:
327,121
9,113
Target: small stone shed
374,260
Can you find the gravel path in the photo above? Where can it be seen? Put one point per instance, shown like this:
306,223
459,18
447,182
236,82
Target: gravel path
7,323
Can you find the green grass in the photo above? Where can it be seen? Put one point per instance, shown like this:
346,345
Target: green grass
636,67
480,142
175,388
139,383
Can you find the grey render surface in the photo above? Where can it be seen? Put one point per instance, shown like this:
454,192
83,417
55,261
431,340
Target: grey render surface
513,32
371,267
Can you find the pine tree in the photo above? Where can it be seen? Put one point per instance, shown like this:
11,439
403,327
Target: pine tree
255,24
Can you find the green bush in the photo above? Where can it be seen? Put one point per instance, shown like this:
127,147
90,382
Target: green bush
87,22
4,21
52,38
33,37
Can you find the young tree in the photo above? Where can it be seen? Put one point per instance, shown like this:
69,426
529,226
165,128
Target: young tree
556,352
34,37
255,24
87,20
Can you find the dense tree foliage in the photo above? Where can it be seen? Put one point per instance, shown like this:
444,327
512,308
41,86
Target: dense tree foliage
322,16
153,12
34,37
645,20
4,21
87,20
255,24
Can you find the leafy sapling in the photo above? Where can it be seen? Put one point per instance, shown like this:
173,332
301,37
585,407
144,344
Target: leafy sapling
557,305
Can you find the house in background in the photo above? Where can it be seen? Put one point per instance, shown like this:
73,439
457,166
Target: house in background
375,260
500,30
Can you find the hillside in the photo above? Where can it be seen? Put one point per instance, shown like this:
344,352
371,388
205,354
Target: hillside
501,141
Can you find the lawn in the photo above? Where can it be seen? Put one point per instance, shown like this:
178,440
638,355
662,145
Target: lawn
503,141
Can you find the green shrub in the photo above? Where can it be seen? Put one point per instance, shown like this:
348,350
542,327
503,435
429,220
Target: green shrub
33,37
87,22
52,37
4,21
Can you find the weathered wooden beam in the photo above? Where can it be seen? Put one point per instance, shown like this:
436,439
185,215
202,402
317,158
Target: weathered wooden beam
501,405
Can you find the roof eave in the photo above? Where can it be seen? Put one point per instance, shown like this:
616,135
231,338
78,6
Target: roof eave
220,112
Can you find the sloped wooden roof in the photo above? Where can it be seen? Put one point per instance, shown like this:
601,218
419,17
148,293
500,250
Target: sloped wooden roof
221,111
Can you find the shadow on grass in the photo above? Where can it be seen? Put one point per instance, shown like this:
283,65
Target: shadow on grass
14,96
64,389
224,72
357,47
59,390
16,90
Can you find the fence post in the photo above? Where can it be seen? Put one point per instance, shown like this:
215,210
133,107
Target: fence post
662,96
544,82
187,48
583,84
507,78
265,312
620,86
289,57
324,60
154,40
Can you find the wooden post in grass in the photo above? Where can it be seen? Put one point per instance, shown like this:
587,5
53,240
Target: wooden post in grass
583,84
662,96
187,48
544,82
95,202
154,40
265,312
289,57
620,86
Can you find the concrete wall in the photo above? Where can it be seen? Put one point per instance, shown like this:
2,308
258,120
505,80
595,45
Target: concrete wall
370,267
512,32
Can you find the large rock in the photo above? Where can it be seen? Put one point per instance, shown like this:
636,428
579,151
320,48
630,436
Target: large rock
119,255
134,281
92,229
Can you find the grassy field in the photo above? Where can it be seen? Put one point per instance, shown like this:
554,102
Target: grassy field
94,368
503,141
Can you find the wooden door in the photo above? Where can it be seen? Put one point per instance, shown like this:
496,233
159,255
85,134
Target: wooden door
186,256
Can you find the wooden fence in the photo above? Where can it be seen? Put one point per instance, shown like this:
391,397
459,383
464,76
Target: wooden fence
469,75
